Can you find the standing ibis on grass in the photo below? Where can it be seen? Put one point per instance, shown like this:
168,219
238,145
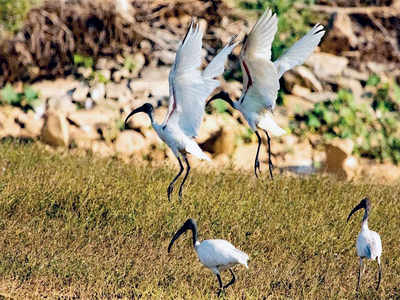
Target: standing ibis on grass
188,90
261,76
217,255
369,243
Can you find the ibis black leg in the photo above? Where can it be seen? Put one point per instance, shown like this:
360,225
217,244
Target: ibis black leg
257,162
220,285
232,280
171,185
380,273
184,178
270,165
359,274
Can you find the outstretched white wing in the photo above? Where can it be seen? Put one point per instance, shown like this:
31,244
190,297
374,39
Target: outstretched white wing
260,79
300,51
189,87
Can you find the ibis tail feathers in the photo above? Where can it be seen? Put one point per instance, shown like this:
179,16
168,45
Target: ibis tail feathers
268,124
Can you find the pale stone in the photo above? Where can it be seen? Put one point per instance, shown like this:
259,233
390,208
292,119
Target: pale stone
130,142
55,131
327,65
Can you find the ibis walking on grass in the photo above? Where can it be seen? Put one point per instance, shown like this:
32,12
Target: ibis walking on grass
217,255
261,76
188,90
369,243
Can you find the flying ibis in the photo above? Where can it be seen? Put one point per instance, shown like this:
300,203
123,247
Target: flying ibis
368,243
261,77
188,90
217,255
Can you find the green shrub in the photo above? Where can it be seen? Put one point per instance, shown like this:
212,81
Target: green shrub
13,12
372,125
25,100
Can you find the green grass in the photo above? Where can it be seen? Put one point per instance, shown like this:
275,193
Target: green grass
90,228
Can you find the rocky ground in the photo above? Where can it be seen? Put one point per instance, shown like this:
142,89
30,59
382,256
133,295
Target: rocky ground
84,111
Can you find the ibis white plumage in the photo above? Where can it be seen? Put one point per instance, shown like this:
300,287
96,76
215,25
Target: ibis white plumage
369,245
188,88
217,255
261,76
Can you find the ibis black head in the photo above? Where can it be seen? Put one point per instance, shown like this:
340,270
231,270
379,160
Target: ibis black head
223,96
190,224
364,203
146,108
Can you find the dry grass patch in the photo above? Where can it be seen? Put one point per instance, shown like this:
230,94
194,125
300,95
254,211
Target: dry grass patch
90,228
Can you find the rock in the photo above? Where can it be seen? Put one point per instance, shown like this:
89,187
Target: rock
209,127
380,173
102,149
98,92
81,93
8,127
120,74
130,142
92,117
225,143
63,104
55,131
118,91
157,88
105,63
245,155
139,61
309,78
85,72
105,73
296,104
55,88
298,158
80,138
32,125
327,65
352,84
166,56
338,158
341,36
300,91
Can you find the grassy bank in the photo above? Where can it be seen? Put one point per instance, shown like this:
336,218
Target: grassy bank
91,228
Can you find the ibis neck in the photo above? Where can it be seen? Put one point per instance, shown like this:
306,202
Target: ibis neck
364,224
150,114
194,235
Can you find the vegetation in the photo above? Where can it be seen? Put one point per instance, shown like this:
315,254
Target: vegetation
90,228
26,99
372,125
13,12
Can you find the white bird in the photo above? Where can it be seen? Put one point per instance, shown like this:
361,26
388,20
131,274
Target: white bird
369,243
261,76
188,88
217,255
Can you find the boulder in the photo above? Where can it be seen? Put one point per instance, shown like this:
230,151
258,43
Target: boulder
55,131
31,124
339,159
55,88
63,104
92,117
8,127
309,78
327,65
102,149
130,142
98,92
245,155
118,91
81,93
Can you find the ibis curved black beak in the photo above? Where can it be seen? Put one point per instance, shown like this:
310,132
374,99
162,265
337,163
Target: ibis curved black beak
363,204
139,109
146,108
190,224
223,96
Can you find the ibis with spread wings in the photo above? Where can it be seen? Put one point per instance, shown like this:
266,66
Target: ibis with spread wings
261,76
189,87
